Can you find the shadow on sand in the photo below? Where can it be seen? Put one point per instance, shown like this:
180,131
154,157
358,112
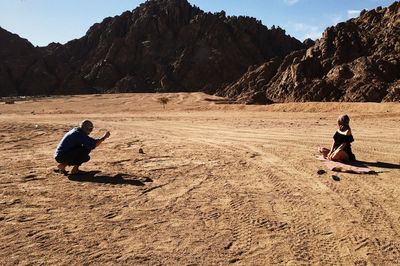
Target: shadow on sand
118,179
376,164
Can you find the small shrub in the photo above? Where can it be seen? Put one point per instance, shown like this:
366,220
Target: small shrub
9,101
163,101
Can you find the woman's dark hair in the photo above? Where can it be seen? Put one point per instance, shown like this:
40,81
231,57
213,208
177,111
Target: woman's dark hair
343,122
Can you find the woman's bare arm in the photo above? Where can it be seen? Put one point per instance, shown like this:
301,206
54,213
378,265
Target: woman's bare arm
341,147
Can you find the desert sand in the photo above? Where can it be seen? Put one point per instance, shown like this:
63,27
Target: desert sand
217,184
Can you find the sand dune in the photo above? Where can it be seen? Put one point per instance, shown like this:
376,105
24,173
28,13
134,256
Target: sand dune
217,184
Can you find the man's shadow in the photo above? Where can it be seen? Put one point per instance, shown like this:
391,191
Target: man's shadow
376,164
118,179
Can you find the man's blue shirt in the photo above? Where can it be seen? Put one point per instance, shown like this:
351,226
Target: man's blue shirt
72,139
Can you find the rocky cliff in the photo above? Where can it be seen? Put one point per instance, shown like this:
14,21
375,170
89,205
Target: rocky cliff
357,60
165,45
19,61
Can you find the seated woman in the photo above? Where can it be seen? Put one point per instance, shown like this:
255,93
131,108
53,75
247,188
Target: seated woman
341,147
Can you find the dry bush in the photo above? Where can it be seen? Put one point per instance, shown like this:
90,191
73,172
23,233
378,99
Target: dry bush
163,101
9,101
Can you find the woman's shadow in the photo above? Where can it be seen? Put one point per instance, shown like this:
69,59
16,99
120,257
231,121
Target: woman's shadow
376,164
118,179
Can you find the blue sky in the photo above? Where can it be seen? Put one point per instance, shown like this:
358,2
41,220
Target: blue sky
45,21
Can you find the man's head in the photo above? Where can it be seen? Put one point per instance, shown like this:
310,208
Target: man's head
86,126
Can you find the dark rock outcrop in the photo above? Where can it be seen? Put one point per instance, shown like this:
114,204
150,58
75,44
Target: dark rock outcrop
16,55
163,45
358,60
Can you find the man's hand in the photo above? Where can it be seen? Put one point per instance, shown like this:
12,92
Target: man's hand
100,140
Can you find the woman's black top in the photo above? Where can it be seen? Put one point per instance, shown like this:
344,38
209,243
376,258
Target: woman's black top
340,139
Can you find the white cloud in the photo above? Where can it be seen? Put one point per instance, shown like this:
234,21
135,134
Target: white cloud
313,35
353,13
336,19
290,2
304,27
307,30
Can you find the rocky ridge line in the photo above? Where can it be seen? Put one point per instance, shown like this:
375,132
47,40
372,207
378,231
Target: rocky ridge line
355,61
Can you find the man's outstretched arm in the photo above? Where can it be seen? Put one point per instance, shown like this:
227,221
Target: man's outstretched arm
100,140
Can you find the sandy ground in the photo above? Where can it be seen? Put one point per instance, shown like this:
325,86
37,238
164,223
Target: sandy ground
217,184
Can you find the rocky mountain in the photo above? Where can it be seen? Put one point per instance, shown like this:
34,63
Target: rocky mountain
162,45
17,55
357,60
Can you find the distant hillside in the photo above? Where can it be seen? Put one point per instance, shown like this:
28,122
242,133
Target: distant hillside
357,60
17,58
162,45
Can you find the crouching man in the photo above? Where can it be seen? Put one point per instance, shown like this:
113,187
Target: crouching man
75,146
